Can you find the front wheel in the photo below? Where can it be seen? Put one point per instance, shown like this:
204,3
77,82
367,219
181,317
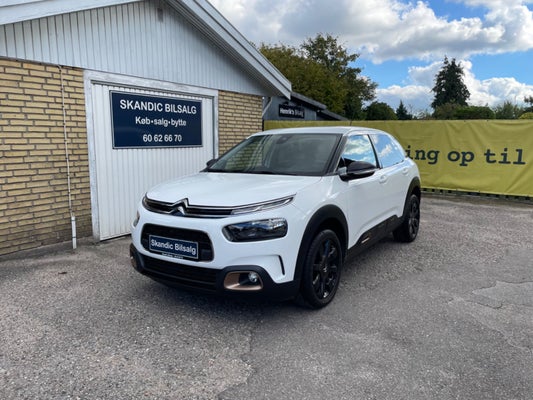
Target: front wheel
408,230
322,269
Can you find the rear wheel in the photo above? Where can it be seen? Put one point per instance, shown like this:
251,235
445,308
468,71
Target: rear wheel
322,269
408,230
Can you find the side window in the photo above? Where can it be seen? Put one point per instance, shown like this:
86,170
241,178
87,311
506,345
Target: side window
389,151
358,148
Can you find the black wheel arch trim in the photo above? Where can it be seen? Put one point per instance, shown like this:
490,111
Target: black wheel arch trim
415,184
327,213
414,188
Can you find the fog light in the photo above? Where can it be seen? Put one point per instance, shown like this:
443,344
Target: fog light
253,277
243,281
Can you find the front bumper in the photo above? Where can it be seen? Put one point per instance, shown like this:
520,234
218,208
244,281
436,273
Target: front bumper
221,281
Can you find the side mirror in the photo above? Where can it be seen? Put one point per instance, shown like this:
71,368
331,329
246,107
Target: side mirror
357,170
211,162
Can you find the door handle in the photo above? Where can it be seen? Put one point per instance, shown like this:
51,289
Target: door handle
405,171
383,179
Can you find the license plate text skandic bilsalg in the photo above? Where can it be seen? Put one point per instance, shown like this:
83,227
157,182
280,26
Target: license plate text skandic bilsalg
173,247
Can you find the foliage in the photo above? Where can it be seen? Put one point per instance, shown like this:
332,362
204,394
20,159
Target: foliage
320,69
474,112
455,111
446,111
527,115
402,113
508,110
529,100
328,53
307,76
379,111
449,86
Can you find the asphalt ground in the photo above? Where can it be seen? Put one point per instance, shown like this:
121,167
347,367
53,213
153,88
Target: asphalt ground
449,316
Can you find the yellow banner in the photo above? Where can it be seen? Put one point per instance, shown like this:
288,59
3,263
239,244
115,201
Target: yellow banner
476,156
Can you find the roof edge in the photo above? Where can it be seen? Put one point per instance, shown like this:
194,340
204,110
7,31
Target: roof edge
308,100
12,11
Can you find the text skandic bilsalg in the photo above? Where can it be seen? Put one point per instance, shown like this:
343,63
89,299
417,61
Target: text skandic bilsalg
137,105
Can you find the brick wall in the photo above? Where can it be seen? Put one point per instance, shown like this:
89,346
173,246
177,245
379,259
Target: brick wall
34,207
239,116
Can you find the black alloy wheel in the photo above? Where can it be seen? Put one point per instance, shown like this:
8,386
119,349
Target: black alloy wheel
322,269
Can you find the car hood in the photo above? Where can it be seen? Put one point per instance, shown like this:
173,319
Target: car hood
215,189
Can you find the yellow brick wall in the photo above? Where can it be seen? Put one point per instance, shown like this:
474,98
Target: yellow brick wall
239,116
34,209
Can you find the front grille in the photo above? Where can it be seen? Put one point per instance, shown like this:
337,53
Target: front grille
205,248
179,274
183,209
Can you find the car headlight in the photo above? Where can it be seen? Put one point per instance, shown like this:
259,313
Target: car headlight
251,231
268,205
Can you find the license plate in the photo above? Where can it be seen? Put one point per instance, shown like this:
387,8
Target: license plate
173,247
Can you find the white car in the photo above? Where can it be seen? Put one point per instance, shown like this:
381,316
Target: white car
276,215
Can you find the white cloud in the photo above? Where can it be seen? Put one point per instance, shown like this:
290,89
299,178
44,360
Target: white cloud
494,91
382,30
415,98
417,95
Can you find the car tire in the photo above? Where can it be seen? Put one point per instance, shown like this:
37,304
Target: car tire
408,230
321,270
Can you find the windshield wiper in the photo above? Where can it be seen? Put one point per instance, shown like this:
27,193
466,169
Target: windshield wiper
258,171
262,171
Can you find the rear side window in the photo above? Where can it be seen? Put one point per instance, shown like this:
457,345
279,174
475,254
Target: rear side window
358,148
390,152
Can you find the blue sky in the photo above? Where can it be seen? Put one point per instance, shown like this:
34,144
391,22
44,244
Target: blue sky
455,10
402,43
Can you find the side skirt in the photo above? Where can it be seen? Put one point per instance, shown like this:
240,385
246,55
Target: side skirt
375,234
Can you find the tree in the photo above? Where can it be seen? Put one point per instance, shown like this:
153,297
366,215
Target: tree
529,100
320,69
474,112
455,111
449,86
527,115
402,113
307,76
508,110
446,111
326,51
379,111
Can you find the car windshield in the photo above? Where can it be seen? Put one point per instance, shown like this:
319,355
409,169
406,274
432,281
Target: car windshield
280,154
